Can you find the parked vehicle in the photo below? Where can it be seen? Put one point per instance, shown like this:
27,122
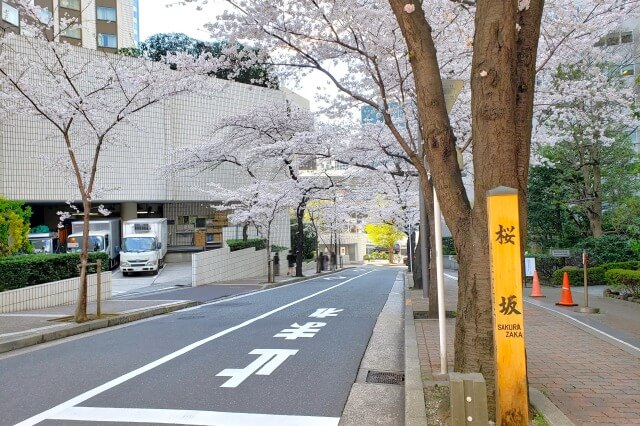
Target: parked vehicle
144,245
104,235
45,242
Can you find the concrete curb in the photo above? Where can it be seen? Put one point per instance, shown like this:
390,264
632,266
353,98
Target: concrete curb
549,411
414,405
32,340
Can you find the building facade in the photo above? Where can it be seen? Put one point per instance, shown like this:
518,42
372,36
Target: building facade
33,163
106,25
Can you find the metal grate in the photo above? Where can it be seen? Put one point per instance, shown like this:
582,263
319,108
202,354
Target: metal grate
386,377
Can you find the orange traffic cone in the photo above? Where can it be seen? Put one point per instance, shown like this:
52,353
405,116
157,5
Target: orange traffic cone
565,296
536,291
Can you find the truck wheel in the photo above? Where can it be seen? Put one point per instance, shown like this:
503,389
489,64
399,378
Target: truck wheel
154,272
125,274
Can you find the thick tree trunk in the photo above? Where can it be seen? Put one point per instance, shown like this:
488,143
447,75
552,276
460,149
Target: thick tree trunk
299,237
245,231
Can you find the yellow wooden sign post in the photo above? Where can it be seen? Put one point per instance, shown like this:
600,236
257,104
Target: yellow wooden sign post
512,406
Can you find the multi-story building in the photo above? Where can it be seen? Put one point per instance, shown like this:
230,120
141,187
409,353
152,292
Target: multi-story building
105,25
129,170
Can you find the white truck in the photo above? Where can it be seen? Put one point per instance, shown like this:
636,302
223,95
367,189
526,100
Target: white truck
45,242
144,245
104,235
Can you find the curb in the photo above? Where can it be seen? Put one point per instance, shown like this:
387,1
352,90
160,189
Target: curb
549,411
414,405
24,342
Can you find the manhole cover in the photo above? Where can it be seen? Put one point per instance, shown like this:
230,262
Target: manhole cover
191,317
386,377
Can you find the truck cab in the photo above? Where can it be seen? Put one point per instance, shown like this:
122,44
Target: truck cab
46,242
140,252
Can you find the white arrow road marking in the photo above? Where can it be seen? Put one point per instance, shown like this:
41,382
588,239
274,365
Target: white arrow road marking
306,330
269,360
187,417
135,373
325,312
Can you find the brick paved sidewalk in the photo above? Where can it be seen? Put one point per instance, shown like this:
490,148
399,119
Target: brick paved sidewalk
589,379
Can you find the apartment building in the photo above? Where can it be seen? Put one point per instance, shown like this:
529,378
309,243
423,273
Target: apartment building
105,25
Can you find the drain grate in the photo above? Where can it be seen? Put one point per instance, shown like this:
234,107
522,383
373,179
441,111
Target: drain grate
386,377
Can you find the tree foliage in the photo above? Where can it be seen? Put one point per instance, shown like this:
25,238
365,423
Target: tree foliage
384,235
241,67
14,227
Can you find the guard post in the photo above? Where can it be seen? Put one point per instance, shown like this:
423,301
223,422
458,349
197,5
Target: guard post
512,405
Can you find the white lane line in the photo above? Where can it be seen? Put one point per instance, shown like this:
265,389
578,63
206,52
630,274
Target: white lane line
453,277
125,377
31,330
585,325
188,417
576,320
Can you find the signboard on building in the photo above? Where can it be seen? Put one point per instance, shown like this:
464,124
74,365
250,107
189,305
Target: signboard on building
560,253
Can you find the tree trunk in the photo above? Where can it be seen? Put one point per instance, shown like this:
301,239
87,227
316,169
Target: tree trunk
592,182
81,307
245,231
299,237
270,277
417,268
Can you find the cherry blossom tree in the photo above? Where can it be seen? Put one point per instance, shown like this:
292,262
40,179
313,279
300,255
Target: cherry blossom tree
398,51
83,99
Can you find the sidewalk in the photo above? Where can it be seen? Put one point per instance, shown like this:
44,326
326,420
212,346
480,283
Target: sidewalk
591,377
27,328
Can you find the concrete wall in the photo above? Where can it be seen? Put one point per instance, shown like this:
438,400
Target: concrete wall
223,265
52,294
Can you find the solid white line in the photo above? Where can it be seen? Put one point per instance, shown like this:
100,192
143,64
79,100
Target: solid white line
585,325
32,330
576,320
188,417
119,380
453,277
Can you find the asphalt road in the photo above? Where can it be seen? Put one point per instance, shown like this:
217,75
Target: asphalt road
285,356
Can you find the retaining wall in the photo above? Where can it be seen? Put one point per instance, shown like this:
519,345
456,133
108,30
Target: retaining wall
223,265
57,293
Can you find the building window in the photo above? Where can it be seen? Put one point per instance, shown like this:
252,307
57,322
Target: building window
44,15
626,37
627,70
107,40
70,4
73,32
10,14
107,14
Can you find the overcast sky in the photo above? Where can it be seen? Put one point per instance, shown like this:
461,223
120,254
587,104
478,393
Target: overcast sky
156,18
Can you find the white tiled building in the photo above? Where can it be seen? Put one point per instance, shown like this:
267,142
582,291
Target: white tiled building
129,170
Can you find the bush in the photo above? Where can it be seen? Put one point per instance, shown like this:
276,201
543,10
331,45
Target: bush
258,243
606,249
366,257
448,249
595,275
546,265
626,280
24,271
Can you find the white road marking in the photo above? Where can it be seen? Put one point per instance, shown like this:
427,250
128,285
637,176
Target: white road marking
325,312
187,417
119,380
334,278
453,277
306,330
267,362
574,319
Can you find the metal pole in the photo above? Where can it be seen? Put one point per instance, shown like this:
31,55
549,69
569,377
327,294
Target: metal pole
423,247
98,287
440,280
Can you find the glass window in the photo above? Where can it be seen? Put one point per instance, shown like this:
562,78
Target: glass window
613,39
73,32
107,40
70,4
627,70
10,14
106,13
626,37
44,15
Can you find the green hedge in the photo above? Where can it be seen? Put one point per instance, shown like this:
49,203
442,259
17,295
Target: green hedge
27,270
626,280
595,275
258,243
448,249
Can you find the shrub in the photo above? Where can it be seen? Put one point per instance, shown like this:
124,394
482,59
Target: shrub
366,257
595,276
258,243
606,249
24,271
448,249
626,280
546,265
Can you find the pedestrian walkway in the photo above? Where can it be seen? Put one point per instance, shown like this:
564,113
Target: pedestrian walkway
27,328
590,370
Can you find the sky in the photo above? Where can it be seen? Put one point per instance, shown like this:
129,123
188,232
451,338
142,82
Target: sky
156,17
